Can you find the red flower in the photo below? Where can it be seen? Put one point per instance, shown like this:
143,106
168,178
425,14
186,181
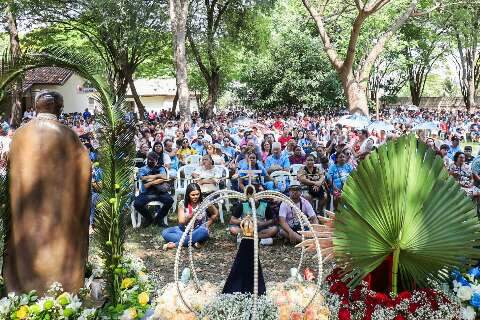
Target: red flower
343,314
404,295
368,313
399,317
334,276
357,294
339,288
412,307
381,298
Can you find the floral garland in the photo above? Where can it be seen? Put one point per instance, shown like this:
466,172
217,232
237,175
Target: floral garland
362,303
467,288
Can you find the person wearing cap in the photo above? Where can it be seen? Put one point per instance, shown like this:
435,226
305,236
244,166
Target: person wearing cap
289,223
454,147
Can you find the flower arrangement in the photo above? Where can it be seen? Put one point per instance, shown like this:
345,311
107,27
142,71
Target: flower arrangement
285,302
292,296
467,289
135,291
169,305
239,306
56,304
362,303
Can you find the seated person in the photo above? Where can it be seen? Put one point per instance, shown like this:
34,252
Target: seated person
152,189
289,223
463,174
297,157
251,163
206,176
186,207
312,180
265,223
276,161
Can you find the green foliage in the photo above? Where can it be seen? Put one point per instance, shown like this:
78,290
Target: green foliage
116,149
401,202
293,70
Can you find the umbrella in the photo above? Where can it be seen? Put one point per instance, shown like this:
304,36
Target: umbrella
381,125
355,121
412,108
426,126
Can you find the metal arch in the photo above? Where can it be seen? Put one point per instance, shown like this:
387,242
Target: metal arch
230,194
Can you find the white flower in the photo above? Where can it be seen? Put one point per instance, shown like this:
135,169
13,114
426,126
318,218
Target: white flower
468,313
75,304
5,306
464,293
87,314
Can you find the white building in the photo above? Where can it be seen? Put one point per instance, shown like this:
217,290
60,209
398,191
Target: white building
77,96
155,94
158,94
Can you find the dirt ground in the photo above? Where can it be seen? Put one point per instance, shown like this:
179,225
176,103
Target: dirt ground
213,261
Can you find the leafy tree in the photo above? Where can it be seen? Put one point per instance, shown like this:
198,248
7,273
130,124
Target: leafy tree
216,33
360,22
464,27
123,33
293,71
425,45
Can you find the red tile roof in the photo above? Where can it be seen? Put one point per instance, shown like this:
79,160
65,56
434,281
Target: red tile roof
46,75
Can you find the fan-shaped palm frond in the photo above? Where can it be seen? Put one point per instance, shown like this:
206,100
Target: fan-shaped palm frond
401,202
116,148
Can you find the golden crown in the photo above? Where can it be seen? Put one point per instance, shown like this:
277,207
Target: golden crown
247,227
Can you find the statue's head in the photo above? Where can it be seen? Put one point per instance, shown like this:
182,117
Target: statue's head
49,102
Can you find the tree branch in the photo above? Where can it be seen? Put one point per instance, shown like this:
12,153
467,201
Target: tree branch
327,44
378,47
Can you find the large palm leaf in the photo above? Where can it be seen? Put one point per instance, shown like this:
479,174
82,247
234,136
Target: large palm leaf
116,147
401,202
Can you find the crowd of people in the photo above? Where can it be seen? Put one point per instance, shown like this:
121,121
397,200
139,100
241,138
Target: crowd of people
308,157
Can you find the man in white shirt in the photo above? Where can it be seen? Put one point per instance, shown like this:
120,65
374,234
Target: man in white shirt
170,130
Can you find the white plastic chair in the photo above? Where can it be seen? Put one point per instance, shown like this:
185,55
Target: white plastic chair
294,168
181,183
194,159
283,177
137,217
224,173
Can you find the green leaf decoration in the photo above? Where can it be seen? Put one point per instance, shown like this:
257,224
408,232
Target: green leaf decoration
116,152
401,202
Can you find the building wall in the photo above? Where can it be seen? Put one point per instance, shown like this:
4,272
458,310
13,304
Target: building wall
158,103
74,99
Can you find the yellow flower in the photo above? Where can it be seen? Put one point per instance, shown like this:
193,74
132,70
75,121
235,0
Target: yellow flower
127,283
132,312
22,312
63,299
143,298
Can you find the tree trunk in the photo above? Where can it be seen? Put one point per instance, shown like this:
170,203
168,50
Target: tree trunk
175,103
136,98
178,17
356,95
213,90
15,51
415,92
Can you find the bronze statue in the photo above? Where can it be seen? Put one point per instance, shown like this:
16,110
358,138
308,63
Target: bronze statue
49,184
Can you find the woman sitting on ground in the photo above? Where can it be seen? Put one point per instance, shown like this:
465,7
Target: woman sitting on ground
186,209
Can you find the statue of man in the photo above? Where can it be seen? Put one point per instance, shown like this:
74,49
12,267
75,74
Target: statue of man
49,185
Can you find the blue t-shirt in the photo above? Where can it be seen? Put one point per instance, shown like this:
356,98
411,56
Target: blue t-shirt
339,174
147,171
282,161
243,165
453,150
306,145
